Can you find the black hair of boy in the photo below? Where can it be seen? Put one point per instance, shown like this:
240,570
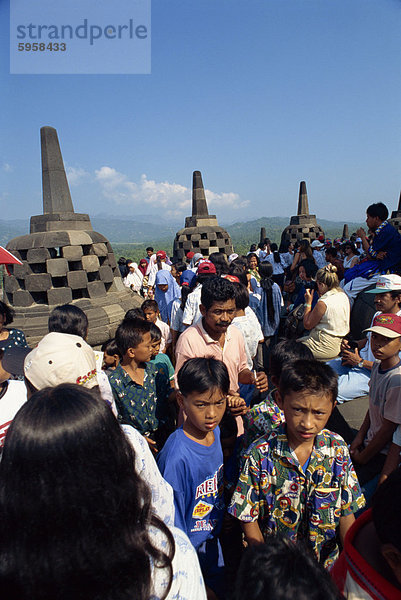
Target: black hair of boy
134,313
378,209
216,289
309,376
241,296
68,318
150,305
240,272
285,352
149,249
198,375
282,570
331,252
386,511
110,347
155,333
130,334
7,312
310,267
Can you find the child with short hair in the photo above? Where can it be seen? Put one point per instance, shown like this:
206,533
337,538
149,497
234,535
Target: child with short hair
140,388
370,446
298,480
159,358
151,311
192,462
111,355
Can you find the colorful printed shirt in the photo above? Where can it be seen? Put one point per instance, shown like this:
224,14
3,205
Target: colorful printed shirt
144,407
261,419
274,489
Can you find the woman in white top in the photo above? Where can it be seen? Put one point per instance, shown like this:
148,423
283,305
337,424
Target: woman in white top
328,322
76,519
351,257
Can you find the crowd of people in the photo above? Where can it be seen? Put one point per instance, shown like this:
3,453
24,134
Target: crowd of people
198,454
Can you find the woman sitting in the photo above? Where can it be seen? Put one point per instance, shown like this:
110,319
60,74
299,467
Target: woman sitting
351,257
303,252
328,322
75,517
9,337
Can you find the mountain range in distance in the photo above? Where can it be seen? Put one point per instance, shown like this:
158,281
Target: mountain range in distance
145,229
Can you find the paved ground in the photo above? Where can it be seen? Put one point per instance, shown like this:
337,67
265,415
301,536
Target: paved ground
354,411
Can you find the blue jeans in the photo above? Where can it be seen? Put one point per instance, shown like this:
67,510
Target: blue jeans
352,381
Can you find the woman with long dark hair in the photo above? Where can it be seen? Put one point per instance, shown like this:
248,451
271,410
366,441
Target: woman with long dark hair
76,519
269,309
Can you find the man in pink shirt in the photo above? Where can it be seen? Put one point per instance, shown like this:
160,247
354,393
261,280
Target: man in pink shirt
213,336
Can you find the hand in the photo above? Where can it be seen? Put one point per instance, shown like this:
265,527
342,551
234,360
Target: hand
344,345
152,445
380,255
351,358
308,296
261,382
236,405
356,444
361,232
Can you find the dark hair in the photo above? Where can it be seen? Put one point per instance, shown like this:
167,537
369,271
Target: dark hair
276,255
219,259
130,334
149,305
266,283
331,251
241,296
110,347
240,262
68,318
310,267
239,272
135,313
308,375
88,513
216,289
281,569
253,248
251,255
386,512
149,248
352,246
155,333
202,374
7,312
285,352
378,210
122,261
185,291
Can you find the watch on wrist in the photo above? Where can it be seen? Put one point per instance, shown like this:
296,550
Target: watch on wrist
360,364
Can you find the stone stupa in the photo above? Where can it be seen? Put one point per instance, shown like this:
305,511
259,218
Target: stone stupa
345,235
201,233
64,261
303,225
396,216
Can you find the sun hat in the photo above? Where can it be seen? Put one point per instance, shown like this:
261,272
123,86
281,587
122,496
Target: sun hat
386,283
388,325
206,267
61,358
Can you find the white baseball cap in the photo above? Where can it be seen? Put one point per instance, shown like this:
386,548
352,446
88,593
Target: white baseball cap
61,358
387,283
316,244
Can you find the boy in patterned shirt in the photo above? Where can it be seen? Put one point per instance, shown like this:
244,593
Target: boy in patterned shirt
298,480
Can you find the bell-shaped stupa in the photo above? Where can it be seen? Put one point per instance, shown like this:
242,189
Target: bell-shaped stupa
303,225
201,232
64,261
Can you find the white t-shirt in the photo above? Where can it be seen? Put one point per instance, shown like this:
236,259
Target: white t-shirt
153,273
177,315
252,332
277,266
192,313
147,469
319,259
10,404
187,580
166,334
134,279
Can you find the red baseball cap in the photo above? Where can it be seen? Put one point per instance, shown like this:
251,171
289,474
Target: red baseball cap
206,267
190,254
386,324
161,254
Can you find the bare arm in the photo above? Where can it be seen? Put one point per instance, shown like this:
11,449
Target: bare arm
345,524
252,533
360,436
382,437
392,461
365,242
313,317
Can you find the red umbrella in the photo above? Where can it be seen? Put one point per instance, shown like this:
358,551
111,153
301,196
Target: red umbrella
6,258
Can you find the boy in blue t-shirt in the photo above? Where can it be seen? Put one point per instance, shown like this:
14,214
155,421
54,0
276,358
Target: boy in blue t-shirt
192,462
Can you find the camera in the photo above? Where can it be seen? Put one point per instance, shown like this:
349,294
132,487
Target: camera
310,285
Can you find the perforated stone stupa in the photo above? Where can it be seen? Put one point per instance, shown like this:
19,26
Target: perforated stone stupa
303,225
64,261
201,233
396,216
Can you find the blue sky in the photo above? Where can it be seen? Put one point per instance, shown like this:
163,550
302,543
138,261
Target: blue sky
257,95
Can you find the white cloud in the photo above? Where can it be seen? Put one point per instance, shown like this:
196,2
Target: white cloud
175,199
7,168
75,175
